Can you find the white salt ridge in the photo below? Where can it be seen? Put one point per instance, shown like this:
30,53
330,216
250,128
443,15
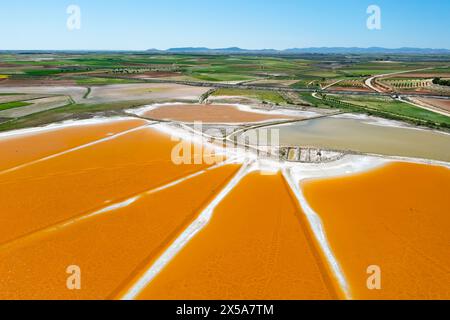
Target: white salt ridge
142,110
294,173
132,200
125,203
192,176
347,166
194,137
62,125
241,107
84,146
175,248
315,224
278,112
350,164
110,208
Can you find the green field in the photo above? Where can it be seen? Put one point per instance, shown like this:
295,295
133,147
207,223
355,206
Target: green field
12,105
43,72
71,111
102,81
220,67
396,108
218,77
309,71
265,96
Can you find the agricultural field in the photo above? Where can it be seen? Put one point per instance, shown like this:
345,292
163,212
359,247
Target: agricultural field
392,106
90,79
11,105
261,95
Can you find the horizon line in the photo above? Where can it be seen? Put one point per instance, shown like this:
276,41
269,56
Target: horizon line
233,47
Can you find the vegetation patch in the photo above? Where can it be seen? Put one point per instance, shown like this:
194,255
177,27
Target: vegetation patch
42,72
217,77
388,108
93,81
441,82
265,96
12,105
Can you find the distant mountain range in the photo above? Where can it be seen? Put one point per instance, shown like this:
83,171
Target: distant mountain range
313,50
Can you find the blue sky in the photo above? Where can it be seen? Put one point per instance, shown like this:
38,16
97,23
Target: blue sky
252,24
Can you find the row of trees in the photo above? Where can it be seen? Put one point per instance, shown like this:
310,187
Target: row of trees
408,84
441,82
336,103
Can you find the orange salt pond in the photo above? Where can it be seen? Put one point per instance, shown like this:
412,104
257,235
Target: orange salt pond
256,246
111,248
210,114
81,182
21,148
395,217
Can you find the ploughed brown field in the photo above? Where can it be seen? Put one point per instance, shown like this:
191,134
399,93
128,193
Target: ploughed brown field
210,114
443,104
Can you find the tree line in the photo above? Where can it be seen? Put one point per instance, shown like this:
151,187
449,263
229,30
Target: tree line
441,82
